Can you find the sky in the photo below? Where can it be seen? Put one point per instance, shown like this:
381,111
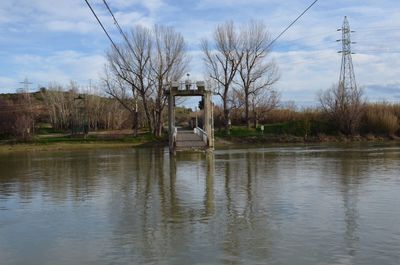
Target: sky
51,41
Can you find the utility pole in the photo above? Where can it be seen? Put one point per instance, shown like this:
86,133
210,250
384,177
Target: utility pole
347,79
348,99
27,95
26,84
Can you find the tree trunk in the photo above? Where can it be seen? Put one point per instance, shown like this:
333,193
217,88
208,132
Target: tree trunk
226,110
158,124
255,119
135,125
247,110
146,110
226,117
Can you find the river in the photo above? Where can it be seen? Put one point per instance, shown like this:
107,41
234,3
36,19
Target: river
317,204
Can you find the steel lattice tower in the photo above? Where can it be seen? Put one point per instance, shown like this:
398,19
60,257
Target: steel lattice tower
347,78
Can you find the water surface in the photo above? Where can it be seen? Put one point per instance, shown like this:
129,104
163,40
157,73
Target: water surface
289,205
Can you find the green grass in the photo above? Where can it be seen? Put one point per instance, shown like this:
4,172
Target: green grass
293,128
77,143
142,138
48,130
236,131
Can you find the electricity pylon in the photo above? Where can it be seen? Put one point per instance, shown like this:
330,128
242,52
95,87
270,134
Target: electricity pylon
347,79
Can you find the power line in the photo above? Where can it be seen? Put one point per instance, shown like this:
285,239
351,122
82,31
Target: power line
118,26
313,36
370,46
333,33
291,24
375,44
303,60
105,31
374,51
367,29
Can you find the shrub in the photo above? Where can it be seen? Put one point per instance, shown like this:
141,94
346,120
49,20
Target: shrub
15,120
381,119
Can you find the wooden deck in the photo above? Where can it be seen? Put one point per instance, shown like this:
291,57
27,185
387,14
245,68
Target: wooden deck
188,140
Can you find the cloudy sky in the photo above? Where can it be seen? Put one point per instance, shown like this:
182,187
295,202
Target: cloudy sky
58,41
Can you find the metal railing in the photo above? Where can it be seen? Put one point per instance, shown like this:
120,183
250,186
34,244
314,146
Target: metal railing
174,134
200,132
189,85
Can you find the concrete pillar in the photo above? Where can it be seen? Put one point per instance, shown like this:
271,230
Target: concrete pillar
208,118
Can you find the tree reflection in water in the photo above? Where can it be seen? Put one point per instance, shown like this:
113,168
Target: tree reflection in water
287,205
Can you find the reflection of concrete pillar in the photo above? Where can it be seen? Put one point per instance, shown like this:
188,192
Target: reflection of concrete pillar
172,173
171,120
209,197
174,205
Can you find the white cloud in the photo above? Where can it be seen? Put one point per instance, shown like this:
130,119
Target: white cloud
153,5
61,67
128,19
312,71
7,84
209,4
150,5
306,71
306,54
63,25
74,15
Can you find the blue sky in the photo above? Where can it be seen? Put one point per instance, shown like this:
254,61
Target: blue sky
58,41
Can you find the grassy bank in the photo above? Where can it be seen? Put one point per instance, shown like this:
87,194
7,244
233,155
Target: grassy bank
293,132
51,142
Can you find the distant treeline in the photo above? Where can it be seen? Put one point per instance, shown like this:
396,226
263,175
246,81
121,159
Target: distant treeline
23,115
61,109
375,119
238,68
64,109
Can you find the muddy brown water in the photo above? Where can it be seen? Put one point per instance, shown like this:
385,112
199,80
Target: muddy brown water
260,205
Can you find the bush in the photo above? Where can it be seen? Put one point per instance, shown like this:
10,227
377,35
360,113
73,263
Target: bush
15,120
381,119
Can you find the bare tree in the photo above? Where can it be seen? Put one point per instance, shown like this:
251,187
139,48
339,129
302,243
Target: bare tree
125,94
344,107
127,73
97,108
169,62
256,73
17,117
60,104
222,61
142,67
7,113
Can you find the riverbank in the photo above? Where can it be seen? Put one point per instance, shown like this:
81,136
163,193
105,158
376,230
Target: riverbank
287,139
67,142
274,134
